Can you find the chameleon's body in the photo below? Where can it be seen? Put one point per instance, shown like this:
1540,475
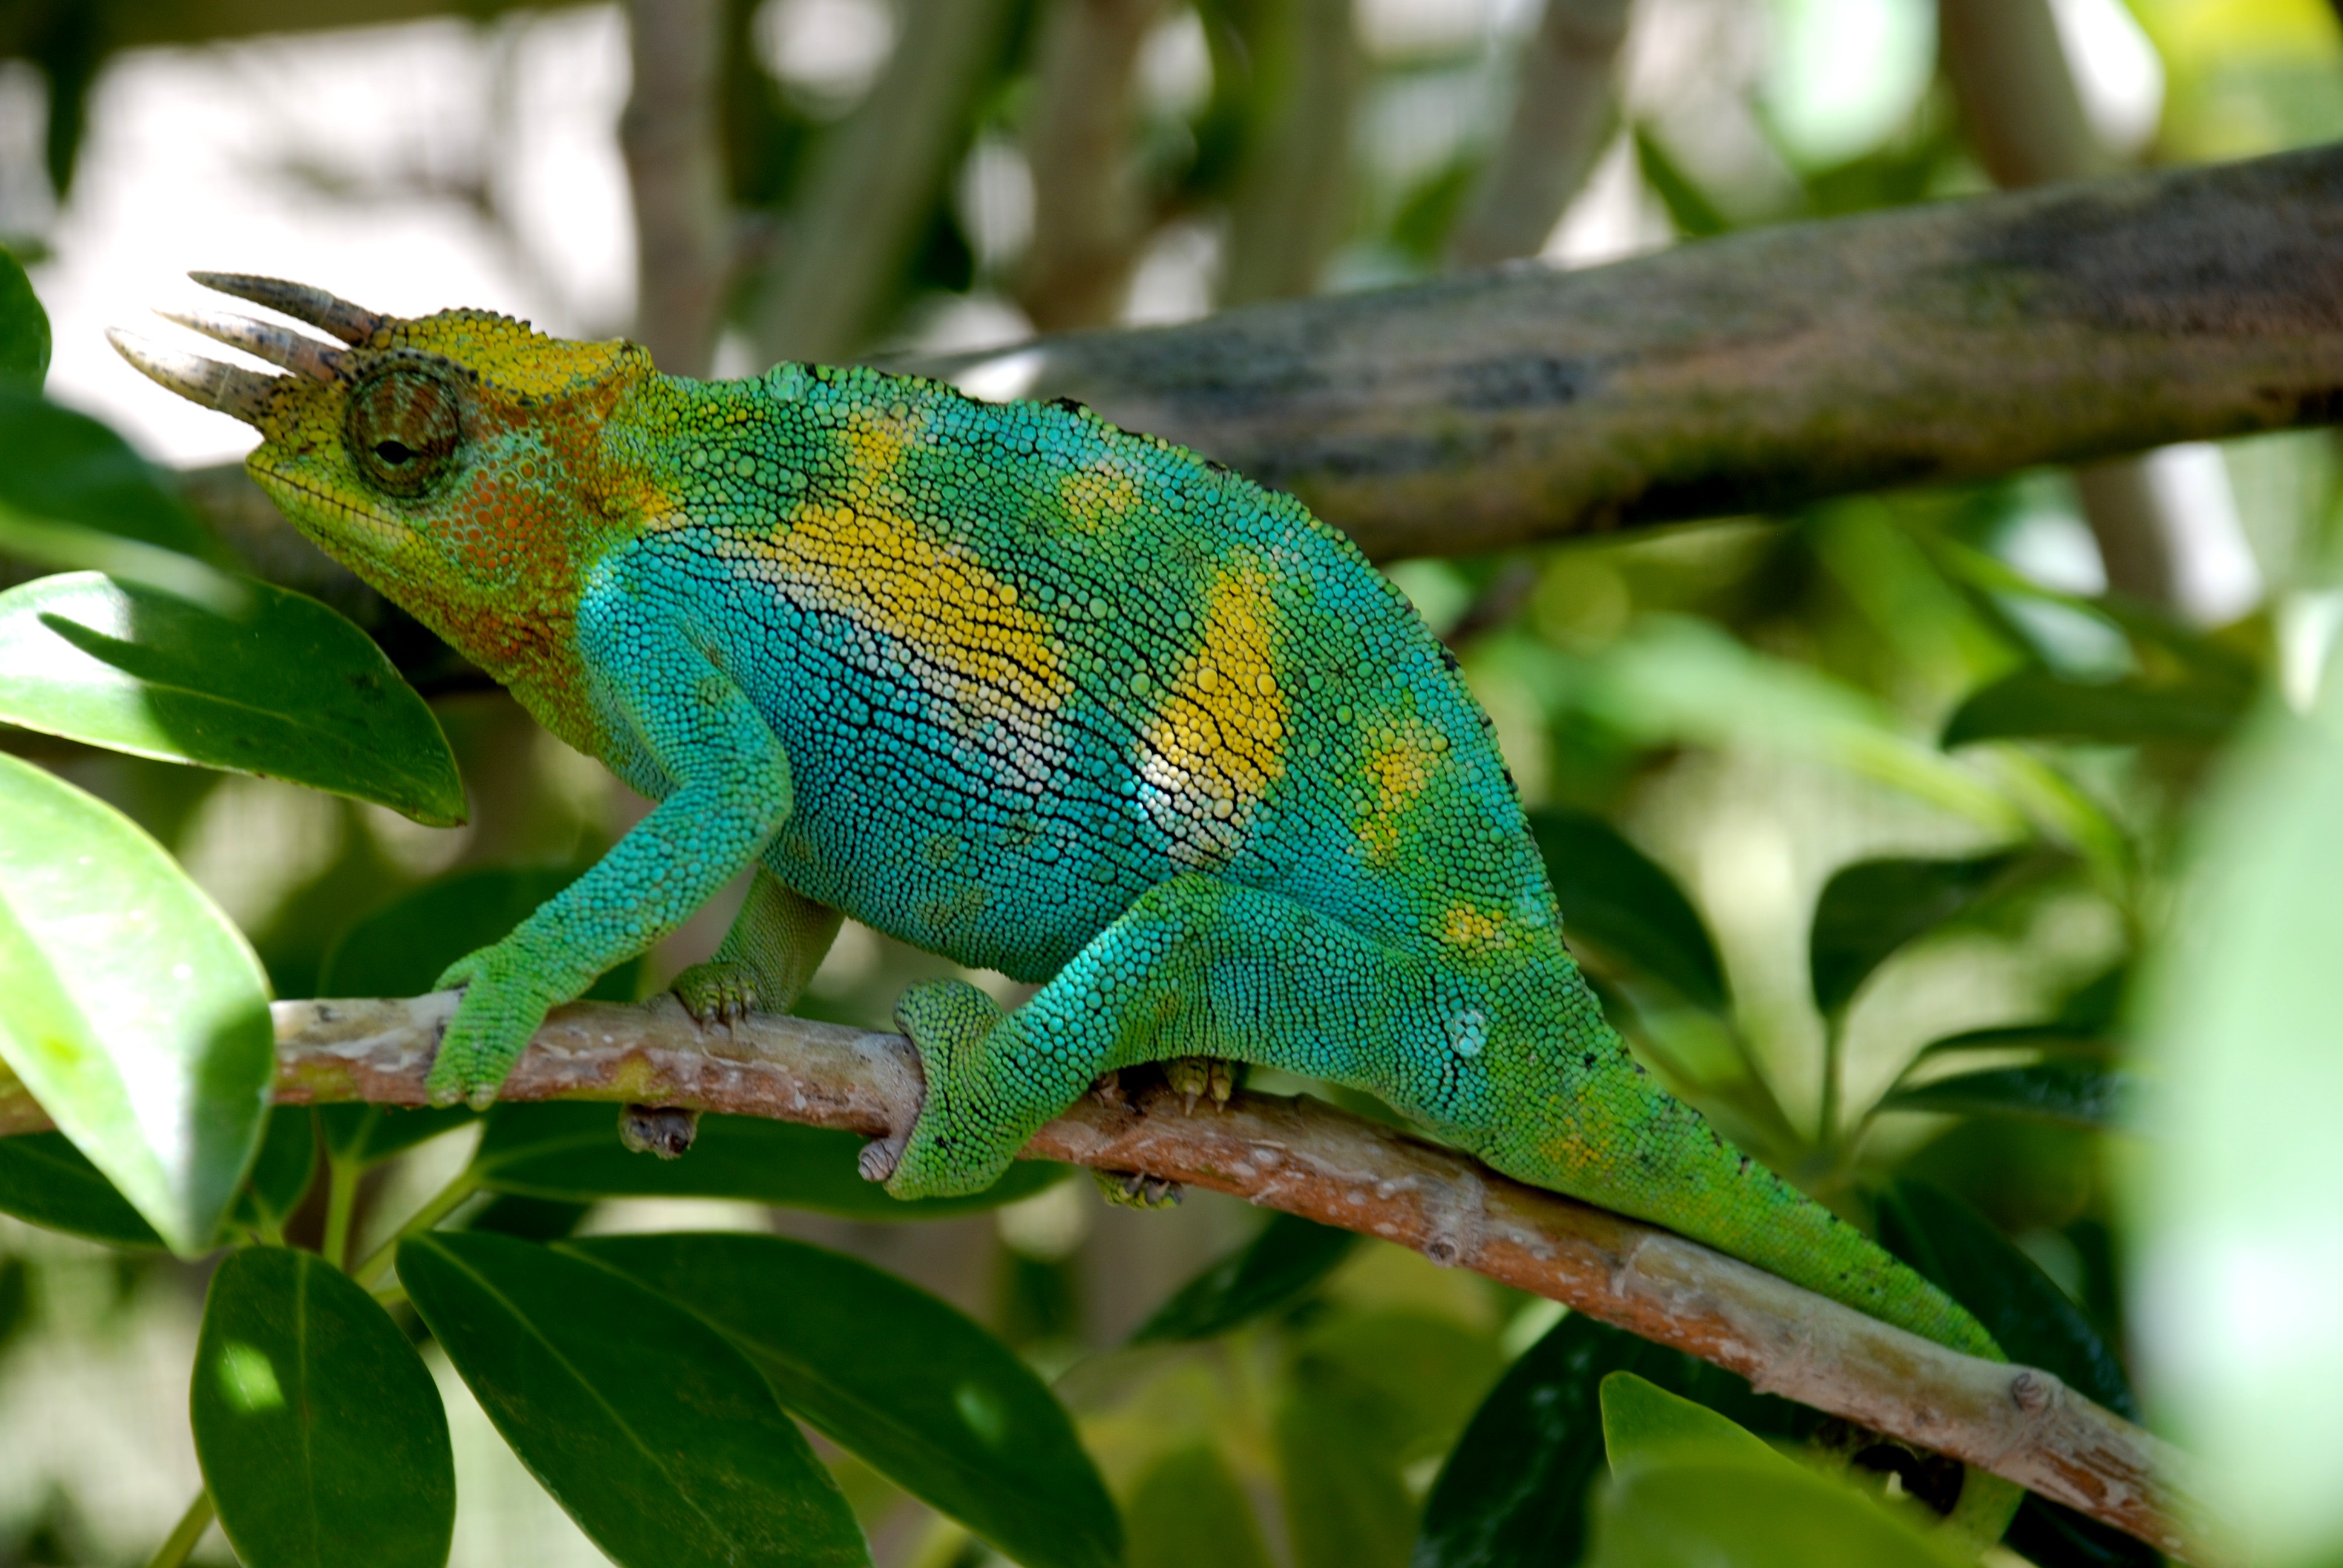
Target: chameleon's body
1026,690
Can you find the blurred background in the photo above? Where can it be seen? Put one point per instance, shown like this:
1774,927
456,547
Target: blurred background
1752,704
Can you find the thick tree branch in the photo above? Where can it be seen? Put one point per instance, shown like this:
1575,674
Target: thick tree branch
1310,1158
1951,341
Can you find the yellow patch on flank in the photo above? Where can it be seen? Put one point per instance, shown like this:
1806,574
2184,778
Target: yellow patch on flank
1399,765
1216,741
1098,496
995,657
1466,927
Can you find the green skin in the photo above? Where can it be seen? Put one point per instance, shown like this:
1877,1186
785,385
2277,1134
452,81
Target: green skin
1029,691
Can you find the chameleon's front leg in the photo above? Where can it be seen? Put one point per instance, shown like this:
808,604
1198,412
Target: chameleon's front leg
731,796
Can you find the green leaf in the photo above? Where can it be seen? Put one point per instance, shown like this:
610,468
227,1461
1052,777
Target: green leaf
1515,1488
369,1134
571,1150
1674,1515
2034,705
23,326
2053,1037
1869,909
962,1423
1276,1269
1644,1423
45,1180
2035,1323
134,1012
68,547
2085,1093
290,689
67,467
322,1438
401,949
281,1171
1619,898
659,1438
1187,1511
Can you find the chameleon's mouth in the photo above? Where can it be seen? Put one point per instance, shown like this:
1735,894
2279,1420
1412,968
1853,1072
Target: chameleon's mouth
247,395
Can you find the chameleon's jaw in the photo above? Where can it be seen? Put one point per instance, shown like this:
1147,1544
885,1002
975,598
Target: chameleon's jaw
247,395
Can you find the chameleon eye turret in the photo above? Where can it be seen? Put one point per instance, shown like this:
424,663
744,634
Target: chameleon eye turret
402,424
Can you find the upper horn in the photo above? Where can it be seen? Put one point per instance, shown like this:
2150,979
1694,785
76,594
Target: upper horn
351,323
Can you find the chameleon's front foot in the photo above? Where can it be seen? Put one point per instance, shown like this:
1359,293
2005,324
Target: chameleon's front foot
953,1149
721,991
1195,1078
502,1009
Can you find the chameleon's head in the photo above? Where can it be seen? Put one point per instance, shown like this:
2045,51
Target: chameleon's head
459,462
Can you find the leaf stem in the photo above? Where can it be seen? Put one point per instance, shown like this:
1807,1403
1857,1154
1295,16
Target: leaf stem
1826,1141
186,1534
341,1202
443,1203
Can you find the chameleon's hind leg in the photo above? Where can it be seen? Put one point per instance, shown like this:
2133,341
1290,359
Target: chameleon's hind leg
1195,967
764,961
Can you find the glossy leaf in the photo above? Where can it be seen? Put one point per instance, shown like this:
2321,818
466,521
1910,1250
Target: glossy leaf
2083,1092
1614,896
1516,1487
288,689
571,1150
1673,1515
23,326
1276,1269
321,1434
68,547
282,1170
961,1422
45,1180
2035,1323
67,467
369,1134
1644,1423
2034,705
1871,908
401,949
655,1434
1187,1511
134,1012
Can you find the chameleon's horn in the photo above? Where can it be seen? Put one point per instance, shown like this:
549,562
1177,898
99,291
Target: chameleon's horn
230,388
351,323
303,356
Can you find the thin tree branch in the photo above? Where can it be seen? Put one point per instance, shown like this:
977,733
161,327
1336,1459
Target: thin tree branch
675,173
873,182
1565,107
1087,218
2023,110
1310,1159
1293,195
1772,367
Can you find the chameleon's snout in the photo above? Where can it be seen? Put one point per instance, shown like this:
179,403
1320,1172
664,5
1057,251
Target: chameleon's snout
230,388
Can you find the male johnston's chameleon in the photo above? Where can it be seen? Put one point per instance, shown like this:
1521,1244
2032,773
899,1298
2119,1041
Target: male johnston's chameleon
1014,686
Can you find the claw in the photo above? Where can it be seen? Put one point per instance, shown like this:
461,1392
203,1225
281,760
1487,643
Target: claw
231,389
351,323
303,355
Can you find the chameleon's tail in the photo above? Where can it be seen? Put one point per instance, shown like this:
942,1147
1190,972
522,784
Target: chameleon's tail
1608,1133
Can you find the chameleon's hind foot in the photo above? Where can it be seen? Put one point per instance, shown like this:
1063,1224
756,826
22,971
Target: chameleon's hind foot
951,1150
721,991
1212,1078
1136,1189
502,1009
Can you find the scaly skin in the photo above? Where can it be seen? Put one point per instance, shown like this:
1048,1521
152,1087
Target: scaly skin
1027,690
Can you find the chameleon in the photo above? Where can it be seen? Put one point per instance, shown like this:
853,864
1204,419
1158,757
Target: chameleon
1017,686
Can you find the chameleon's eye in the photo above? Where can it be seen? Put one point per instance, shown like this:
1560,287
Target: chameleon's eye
402,427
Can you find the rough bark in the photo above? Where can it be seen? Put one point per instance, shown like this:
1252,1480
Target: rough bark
1310,1158
1565,108
1768,368
675,172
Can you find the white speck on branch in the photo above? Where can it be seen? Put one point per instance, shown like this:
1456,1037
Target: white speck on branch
1312,1160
